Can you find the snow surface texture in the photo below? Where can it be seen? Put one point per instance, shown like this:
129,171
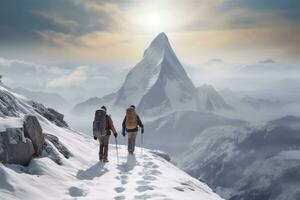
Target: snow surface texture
258,162
145,175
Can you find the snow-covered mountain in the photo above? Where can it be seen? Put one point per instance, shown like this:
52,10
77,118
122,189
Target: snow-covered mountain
68,167
211,99
157,84
163,83
175,132
258,162
270,67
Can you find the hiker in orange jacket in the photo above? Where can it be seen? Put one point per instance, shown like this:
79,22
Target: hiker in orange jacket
102,127
130,124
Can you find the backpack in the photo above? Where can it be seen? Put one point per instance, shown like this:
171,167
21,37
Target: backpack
131,119
100,124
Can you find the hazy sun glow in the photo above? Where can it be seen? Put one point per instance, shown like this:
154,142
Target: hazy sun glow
153,20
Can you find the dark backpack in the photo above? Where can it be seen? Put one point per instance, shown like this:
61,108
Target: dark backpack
100,124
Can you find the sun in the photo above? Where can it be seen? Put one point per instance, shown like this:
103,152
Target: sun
153,20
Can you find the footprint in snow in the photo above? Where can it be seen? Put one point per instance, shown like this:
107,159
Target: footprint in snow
147,196
143,182
151,172
119,189
76,192
120,197
151,165
149,178
144,188
123,179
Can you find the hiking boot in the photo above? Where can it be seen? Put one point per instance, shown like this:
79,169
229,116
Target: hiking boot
105,160
130,152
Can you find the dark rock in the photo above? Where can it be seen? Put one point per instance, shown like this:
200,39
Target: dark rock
60,147
9,105
51,152
50,114
33,131
16,149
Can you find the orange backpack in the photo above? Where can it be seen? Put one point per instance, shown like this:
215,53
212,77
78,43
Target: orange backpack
131,119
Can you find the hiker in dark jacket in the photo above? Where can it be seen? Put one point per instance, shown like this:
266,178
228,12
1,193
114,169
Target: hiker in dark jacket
102,127
130,124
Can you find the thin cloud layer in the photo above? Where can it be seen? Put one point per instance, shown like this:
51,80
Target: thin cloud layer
72,79
104,30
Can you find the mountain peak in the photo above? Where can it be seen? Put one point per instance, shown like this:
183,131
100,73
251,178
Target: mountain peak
162,36
160,42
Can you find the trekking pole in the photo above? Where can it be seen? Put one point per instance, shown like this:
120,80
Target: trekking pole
142,138
117,150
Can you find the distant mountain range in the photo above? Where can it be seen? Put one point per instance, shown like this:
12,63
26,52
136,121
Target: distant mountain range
258,162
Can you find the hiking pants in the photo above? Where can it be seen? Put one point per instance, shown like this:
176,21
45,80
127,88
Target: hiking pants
104,140
131,141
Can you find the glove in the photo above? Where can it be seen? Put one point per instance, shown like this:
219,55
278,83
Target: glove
123,133
95,138
116,135
142,130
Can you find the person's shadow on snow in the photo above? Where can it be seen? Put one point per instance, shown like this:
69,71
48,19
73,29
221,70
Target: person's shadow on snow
129,165
94,171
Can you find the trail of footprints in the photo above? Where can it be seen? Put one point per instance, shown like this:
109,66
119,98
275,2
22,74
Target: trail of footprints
148,174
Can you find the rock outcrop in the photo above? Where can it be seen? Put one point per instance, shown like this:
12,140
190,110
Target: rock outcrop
33,131
50,114
15,148
58,145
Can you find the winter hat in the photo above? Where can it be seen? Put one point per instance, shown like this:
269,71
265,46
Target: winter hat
132,106
103,108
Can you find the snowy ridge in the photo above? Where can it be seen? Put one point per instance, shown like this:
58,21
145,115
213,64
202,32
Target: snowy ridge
142,176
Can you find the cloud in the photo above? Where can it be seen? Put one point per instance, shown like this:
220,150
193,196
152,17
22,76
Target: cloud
21,21
72,79
4,62
108,29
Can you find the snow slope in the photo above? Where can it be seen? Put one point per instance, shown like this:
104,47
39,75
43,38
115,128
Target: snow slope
143,176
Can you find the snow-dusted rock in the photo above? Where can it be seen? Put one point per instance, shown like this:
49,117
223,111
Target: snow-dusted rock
33,131
58,145
50,114
15,148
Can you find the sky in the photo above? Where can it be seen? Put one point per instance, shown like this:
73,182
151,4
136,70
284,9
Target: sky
79,43
119,30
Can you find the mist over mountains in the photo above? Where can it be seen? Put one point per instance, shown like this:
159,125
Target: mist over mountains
226,124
